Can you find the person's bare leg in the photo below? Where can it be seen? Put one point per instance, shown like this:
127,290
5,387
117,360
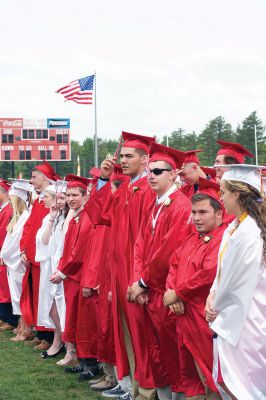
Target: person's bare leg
24,331
70,357
57,342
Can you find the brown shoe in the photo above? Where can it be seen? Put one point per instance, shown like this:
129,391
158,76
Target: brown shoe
43,345
23,337
34,342
6,327
103,385
94,381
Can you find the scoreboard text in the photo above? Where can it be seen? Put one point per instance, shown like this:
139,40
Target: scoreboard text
35,139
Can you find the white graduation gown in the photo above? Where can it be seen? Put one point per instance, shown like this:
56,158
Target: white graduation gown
241,322
11,255
49,256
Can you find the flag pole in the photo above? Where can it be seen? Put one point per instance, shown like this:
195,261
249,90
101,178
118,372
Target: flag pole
95,121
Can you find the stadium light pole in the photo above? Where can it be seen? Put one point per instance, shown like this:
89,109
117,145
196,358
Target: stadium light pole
256,144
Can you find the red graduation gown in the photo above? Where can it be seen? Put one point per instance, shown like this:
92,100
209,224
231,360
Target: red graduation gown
153,250
195,270
88,308
95,338
106,346
88,335
188,190
125,211
5,216
70,264
30,293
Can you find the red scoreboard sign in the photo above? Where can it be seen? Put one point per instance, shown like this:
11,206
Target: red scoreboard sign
35,139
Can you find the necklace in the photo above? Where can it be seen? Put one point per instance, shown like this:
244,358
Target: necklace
237,222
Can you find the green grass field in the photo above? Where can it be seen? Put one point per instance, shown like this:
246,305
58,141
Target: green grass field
24,375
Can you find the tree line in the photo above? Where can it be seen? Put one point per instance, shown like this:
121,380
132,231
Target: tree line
216,129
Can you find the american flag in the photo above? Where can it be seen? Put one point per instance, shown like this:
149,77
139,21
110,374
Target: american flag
80,90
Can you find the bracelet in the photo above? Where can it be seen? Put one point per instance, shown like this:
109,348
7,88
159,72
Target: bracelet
141,285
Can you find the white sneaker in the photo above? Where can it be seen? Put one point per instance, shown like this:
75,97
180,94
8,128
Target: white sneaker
126,396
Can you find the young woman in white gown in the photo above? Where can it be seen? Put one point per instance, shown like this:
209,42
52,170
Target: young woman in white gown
236,306
10,253
49,247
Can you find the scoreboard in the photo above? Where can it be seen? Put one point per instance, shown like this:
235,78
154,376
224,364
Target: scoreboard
35,139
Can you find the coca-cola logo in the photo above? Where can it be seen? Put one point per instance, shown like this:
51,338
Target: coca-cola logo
11,122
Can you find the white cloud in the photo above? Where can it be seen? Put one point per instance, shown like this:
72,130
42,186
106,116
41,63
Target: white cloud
159,66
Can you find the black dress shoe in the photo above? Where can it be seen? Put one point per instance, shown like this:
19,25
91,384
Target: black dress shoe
75,370
89,373
44,354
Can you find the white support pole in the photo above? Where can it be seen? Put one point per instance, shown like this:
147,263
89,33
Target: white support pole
95,121
256,144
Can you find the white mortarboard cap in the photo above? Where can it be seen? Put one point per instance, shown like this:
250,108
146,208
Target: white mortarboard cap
21,188
51,189
61,186
250,174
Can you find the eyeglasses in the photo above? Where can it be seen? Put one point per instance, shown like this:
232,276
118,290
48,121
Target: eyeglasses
158,171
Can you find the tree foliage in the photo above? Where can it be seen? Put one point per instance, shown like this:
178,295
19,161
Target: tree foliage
216,129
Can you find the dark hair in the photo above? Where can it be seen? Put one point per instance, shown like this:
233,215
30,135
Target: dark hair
230,160
202,196
40,172
140,152
117,183
251,201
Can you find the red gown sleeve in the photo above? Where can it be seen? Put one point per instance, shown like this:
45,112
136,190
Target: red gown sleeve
171,277
99,206
156,273
191,290
94,263
77,237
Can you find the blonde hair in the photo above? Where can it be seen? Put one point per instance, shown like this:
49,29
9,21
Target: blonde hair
18,206
252,202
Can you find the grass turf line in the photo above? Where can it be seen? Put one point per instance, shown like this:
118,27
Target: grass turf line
24,375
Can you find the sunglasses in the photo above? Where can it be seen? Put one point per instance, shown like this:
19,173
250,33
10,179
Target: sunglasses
158,171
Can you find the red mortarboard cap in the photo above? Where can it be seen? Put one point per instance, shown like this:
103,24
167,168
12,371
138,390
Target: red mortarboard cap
47,170
173,157
235,150
4,184
95,172
191,156
77,181
209,171
137,141
210,188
